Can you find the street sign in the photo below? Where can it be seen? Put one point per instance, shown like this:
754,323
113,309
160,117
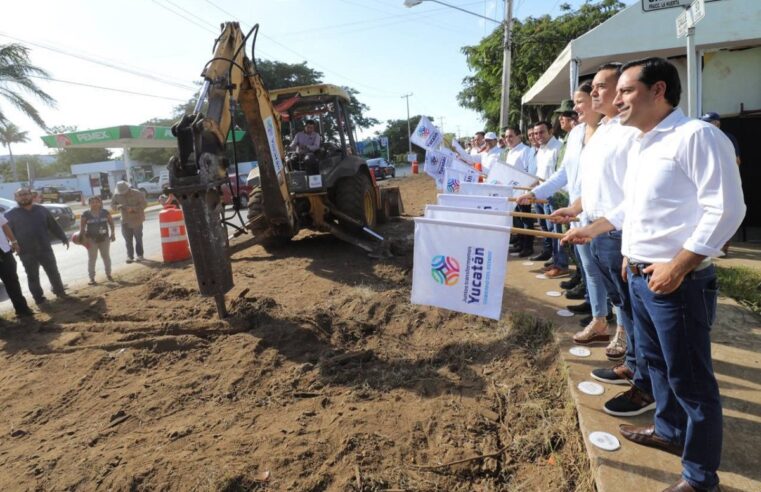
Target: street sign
653,5
411,157
690,17
384,141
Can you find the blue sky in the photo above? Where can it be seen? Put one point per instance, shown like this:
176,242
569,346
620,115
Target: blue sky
157,48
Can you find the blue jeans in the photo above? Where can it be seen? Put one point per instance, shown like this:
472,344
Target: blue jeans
32,263
596,293
673,338
133,232
559,255
606,252
545,225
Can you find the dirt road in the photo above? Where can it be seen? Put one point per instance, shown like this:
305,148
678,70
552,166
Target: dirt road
323,378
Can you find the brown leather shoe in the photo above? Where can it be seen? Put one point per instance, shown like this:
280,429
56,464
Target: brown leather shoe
684,486
646,436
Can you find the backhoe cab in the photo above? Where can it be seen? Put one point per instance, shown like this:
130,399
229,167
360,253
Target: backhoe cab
332,191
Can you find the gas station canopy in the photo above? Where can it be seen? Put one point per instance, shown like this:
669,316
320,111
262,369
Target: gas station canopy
128,136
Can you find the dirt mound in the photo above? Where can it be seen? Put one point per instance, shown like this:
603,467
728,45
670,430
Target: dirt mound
324,377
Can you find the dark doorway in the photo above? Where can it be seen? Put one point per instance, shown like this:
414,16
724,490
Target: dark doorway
747,130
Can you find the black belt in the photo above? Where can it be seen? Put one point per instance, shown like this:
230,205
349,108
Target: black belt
637,268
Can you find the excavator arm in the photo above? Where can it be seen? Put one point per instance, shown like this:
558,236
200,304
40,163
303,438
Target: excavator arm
199,169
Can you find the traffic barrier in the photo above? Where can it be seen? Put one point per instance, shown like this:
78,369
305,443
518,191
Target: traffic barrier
414,167
174,237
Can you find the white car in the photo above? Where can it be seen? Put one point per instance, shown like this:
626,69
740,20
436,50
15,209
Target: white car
154,186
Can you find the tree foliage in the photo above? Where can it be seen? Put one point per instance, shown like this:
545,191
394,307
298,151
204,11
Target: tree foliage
398,138
11,134
16,78
535,43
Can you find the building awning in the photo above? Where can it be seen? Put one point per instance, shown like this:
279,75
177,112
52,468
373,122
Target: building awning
120,136
633,34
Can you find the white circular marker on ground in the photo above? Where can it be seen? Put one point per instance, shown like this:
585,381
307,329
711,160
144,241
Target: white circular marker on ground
604,440
553,293
590,388
580,351
565,313
541,276
527,263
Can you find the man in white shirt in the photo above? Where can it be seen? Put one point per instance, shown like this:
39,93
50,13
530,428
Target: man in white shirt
477,144
546,162
8,275
683,201
520,156
603,168
491,152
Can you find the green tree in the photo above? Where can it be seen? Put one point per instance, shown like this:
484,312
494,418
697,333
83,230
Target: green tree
16,73
398,138
536,42
10,134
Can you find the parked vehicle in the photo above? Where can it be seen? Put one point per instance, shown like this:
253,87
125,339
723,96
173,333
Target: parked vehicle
63,214
154,186
58,194
229,189
381,168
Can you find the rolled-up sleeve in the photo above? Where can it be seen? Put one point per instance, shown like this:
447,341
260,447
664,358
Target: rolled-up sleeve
716,177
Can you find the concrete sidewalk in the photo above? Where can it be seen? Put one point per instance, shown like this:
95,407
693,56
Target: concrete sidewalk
736,348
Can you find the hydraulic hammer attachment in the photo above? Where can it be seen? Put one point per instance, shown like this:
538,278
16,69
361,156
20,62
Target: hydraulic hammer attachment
194,179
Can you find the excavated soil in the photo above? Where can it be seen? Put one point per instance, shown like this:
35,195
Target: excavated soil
324,377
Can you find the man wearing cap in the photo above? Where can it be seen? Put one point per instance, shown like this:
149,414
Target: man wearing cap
491,152
682,200
714,119
131,204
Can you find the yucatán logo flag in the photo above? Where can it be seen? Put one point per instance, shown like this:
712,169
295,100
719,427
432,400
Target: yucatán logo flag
468,215
504,174
497,203
426,135
460,266
483,189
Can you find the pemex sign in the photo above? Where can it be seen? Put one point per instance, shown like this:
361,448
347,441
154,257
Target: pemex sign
119,136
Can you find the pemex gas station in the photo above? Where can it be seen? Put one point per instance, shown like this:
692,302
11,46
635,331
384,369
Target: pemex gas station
99,178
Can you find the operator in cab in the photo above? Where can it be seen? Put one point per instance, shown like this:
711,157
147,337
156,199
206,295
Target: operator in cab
305,143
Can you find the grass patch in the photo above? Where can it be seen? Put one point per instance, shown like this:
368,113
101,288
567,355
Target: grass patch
742,284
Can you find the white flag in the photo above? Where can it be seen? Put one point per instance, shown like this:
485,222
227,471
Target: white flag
500,204
462,152
458,173
460,266
436,164
426,135
468,215
505,174
484,189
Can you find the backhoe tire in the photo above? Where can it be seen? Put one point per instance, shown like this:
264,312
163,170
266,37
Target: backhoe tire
355,197
261,226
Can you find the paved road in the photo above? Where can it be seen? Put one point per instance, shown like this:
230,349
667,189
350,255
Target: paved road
72,262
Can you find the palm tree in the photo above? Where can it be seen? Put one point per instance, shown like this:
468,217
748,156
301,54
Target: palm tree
10,133
16,77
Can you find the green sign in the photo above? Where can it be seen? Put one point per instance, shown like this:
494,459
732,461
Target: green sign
120,136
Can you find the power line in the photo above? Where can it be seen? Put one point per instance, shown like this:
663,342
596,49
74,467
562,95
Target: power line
136,72
113,89
205,28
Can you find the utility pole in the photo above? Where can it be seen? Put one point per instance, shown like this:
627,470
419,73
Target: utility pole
409,129
441,126
504,113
